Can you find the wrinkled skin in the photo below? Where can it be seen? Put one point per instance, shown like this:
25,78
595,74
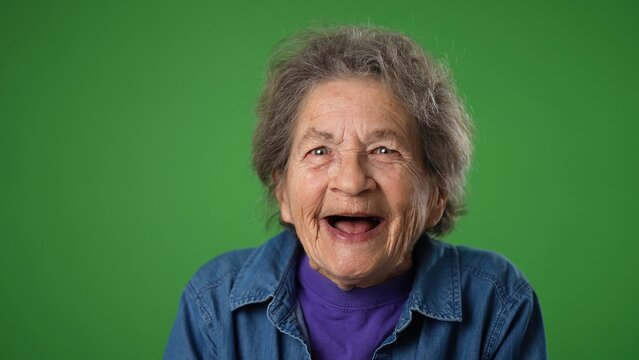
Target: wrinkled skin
355,154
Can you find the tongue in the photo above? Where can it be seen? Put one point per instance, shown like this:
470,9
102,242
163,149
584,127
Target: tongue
354,226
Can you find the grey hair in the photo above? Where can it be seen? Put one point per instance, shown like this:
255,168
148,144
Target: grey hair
419,82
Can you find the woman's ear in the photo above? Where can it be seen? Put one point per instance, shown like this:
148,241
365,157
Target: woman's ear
282,198
436,207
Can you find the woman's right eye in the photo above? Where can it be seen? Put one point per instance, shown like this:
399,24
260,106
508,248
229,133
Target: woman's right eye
322,150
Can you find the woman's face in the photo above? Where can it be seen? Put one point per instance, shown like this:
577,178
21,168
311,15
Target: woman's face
355,187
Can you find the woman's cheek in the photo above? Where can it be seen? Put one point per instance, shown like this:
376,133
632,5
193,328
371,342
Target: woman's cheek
407,194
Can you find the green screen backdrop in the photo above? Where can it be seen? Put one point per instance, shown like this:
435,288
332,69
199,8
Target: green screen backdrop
125,133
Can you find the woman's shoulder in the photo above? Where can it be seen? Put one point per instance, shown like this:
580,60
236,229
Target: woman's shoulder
480,268
488,263
221,267
230,267
481,293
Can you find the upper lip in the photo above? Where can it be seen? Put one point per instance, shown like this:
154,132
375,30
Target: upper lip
331,219
355,214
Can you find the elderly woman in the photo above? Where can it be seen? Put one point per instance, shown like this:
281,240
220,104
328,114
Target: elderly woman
364,144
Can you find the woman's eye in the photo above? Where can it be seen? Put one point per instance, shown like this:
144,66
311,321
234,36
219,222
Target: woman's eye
383,150
319,151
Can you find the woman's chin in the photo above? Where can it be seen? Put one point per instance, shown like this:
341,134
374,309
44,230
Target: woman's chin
351,261
349,271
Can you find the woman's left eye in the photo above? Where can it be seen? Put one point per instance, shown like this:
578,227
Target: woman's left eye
383,150
322,150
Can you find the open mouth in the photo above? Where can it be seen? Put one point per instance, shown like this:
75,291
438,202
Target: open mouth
354,224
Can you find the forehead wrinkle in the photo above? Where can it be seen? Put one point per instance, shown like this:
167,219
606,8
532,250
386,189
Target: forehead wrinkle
338,105
312,134
383,134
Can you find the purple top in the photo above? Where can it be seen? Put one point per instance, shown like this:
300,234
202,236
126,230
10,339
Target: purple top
349,324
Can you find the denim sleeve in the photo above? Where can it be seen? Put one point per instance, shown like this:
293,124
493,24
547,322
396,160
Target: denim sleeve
190,335
522,336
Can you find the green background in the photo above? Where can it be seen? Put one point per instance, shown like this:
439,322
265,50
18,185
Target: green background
125,132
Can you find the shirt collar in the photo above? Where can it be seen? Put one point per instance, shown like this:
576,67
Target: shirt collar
436,290
269,273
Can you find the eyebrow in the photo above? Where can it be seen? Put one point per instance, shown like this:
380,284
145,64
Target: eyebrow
313,134
383,134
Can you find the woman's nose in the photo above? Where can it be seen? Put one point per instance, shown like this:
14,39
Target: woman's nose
351,177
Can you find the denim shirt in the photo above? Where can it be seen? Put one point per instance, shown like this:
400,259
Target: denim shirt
464,304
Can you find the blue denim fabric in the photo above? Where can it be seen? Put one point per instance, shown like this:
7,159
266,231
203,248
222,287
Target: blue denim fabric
465,304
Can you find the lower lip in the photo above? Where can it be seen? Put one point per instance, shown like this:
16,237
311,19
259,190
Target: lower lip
359,237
